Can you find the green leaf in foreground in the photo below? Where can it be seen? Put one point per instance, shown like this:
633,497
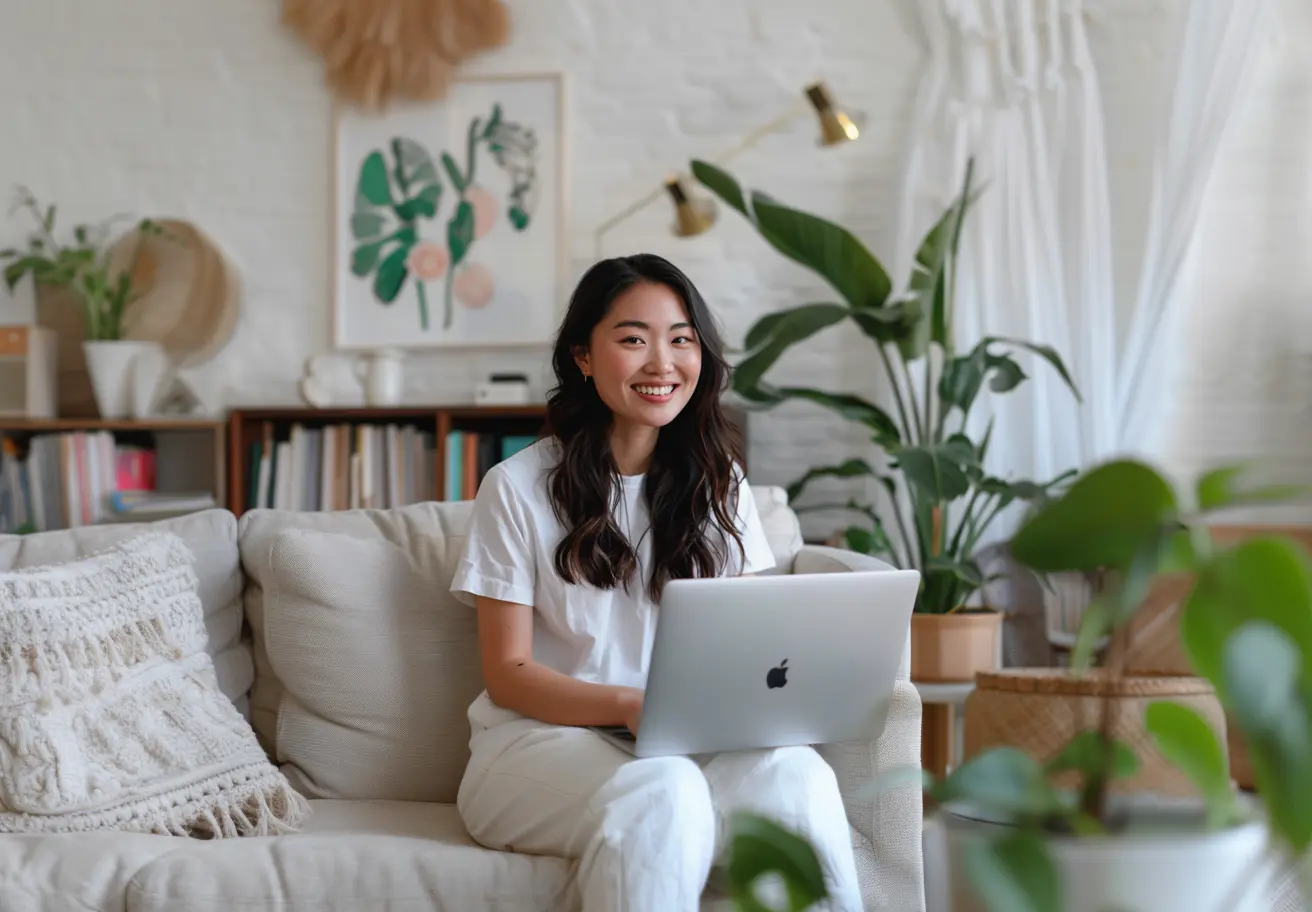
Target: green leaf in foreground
1104,520
1014,874
1188,743
759,846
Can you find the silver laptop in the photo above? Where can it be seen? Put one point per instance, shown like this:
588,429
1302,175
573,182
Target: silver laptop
768,661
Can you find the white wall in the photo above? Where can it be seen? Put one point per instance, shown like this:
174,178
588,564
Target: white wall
213,112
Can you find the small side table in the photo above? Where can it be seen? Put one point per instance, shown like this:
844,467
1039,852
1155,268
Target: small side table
941,719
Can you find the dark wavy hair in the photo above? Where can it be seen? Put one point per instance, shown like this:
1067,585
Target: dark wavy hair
691,484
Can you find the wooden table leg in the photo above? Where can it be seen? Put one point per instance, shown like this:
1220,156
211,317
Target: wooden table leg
937,738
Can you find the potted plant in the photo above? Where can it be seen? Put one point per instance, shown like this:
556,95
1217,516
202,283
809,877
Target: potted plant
104,293
1018,840
941,499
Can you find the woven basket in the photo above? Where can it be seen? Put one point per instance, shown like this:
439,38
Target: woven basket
1039,710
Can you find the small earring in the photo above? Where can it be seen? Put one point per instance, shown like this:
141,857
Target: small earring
587,378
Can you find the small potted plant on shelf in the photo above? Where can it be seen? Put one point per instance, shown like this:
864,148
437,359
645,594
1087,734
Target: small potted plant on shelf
941,498
86,266
1049,833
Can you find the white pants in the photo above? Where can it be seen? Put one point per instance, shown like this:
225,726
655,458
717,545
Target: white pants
645,832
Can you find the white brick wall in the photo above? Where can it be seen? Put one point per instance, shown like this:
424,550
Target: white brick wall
212,112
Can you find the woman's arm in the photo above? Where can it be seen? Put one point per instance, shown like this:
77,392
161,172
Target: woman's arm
516,682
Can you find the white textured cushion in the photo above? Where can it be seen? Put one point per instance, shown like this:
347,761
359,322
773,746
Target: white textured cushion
210,535
110,712
355,856
367,663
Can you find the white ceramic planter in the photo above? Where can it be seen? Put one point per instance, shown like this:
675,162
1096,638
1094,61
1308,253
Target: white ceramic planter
113,367
1162,867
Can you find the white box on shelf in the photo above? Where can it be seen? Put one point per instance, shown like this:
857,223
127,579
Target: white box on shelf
27,372
502,389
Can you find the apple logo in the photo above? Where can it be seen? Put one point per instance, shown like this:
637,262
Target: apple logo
777,677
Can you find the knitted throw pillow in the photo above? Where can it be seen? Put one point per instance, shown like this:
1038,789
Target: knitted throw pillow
111,717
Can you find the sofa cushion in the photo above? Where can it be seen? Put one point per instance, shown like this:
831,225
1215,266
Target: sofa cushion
366,663
376,664
210,536
81,871
353,855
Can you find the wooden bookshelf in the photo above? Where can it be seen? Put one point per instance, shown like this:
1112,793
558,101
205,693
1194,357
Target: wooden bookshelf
248,426
189,454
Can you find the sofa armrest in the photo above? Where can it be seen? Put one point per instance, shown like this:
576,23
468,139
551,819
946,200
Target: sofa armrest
886,825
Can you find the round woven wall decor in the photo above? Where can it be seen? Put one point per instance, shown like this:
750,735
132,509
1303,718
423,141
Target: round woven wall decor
189,300
378,51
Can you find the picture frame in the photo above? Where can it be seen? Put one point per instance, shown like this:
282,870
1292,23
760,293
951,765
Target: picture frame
449,218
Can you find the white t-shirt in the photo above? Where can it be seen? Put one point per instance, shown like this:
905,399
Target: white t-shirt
597,635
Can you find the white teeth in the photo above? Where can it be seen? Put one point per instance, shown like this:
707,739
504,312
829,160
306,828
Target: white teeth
655,390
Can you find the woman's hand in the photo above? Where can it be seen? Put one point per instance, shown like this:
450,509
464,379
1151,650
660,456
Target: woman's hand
631,708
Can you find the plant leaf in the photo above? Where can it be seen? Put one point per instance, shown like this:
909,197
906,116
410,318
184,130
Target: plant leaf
853,408
1261,579
1218,488
939,470
391,275
1106,518
372,185
460,232
851,468
759,846
1002,779
828,249
721,183
1265,682
1188,743
1014,873
1087,753
966,571
1047,353
781,331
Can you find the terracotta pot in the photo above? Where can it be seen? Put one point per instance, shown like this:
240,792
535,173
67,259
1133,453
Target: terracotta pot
954,647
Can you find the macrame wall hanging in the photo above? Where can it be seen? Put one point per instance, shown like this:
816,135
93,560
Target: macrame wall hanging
379,51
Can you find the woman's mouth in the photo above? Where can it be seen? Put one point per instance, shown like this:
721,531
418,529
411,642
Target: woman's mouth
655,392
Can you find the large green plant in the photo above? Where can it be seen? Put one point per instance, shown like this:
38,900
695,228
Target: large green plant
1246,626
83,266
939,495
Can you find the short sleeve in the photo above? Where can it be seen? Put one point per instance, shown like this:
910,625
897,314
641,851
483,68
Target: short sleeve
757,553
498,560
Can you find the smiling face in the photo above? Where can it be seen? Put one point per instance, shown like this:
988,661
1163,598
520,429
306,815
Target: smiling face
644,357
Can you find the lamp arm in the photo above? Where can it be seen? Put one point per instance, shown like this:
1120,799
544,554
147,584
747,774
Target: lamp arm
747,142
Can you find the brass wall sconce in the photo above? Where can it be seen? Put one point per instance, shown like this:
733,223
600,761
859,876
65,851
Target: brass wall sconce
695,215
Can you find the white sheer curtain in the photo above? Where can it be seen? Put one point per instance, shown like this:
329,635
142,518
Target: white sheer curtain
1012,82
1217,49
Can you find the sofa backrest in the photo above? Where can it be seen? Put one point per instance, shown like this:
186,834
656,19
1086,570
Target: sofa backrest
365,665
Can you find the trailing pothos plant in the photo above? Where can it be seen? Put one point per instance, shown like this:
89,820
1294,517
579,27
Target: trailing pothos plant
941,499
1246,626
83,265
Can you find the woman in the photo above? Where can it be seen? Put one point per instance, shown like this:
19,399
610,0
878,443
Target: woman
569,546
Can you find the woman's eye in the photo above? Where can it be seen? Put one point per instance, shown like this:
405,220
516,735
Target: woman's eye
631,340
684,340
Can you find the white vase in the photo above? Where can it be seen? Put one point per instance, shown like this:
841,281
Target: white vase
1166,867
382,375
113,367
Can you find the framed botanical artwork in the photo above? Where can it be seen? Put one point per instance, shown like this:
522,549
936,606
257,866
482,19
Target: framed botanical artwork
449,221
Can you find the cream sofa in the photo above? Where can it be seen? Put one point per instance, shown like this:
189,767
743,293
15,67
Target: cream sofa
335,635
